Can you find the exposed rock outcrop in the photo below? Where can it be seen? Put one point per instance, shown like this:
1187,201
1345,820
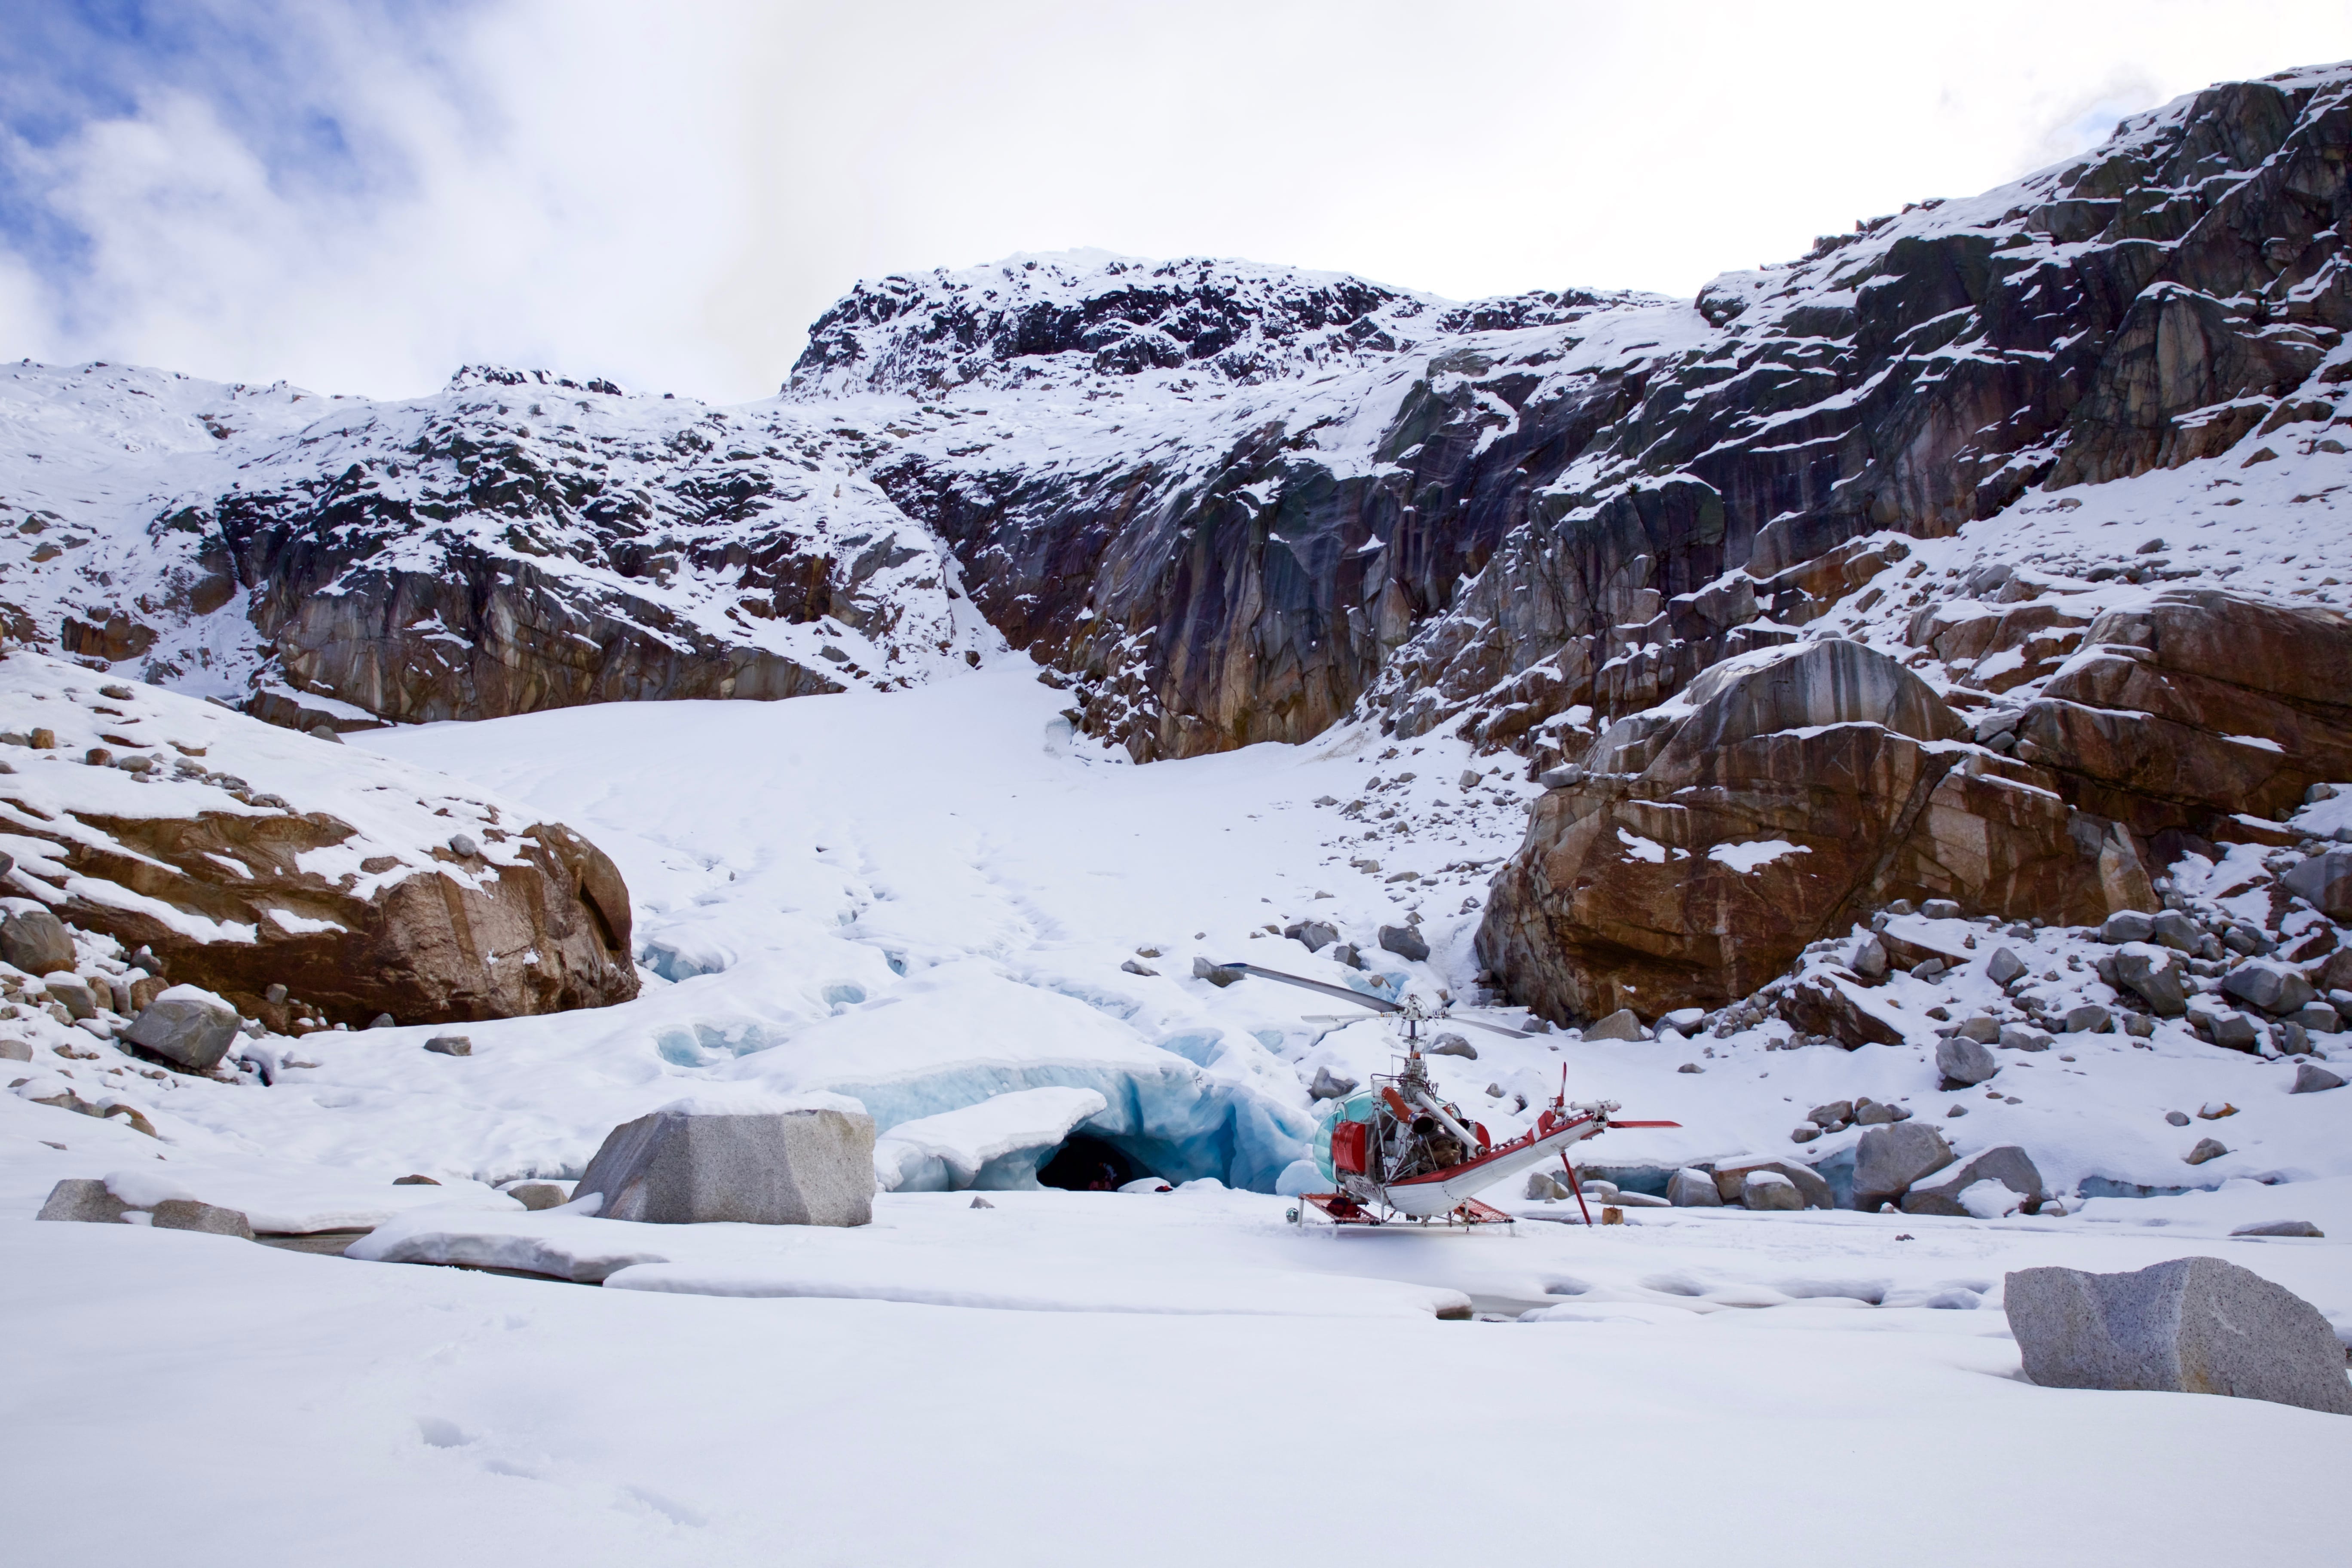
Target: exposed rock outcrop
245,856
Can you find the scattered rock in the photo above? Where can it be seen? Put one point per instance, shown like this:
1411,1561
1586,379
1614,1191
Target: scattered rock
2280,1228
1690,1066
1545,1188
15,1051
2006,1165
1313,935
2213,1110
538,1195
678,1166
1405,942
2310,1077
82,1198
2225,1029
2195,1325
37,941
1939,909
1453,1046
2090,1018
187,1214
1692,1189
2015,1039
2176,931
1129,966
2207,1149
2155,977
1621,1024
1888,1160
1983,1029
1873,1113
1328,1085
2177,1118
1832,1116
1964,1061
383,1021
1216,974
450,1044
1346,954
981,1203
1770,1190
2271,987
463,847
186,1025
72,993
414,1181
2004,966
2128,925
2324,882
1804,1134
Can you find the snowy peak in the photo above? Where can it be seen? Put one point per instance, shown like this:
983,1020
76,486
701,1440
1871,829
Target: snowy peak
1077,317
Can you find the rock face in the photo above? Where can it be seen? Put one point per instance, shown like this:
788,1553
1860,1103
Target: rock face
1786,796
345,891
2195,1325
684,1167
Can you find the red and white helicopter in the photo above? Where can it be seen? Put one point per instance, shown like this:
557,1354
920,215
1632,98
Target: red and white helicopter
1399,1150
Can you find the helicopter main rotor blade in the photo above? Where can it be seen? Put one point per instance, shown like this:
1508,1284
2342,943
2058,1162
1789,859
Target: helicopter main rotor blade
1376,1003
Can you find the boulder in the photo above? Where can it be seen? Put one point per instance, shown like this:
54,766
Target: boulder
1983,1028
2225,1029
1964,1061
1768,1190
2155,976
2271,987
1216,974
2090,1018
2310,1077
1875,1114
15,1051
188,1027
1731,1175
681,1165
1405,942
2128,925
1689,1189
1312,935
1831,1116
2004,966
2194,1325
2207,1149
82,1198
2324,882
2280,1228
1453,1046
1545,1188
1621,1024
1784,795
187,1214
2016,1038
2176,931
264,865
37,941
2008,1165
450,1045
1328,1085
1831,1003
1888,1160
72,993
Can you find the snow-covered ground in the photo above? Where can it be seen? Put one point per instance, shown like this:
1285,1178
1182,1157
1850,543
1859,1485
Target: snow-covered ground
926,898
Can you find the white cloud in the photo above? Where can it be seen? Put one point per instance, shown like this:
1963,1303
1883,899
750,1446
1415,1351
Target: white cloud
668,195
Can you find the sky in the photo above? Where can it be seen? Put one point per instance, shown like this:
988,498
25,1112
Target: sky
361,195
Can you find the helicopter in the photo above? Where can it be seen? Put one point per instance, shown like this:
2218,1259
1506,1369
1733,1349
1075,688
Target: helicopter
1399,1150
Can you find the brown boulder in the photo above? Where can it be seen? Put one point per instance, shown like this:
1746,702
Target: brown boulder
2195,707
324,870
1785,798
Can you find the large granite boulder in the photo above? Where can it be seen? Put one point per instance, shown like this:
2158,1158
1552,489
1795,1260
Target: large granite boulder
1889,1159
688,1165
1785,796
2195,1325
35,942
247,857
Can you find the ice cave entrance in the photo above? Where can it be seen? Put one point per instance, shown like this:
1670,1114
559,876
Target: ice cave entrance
1084,1165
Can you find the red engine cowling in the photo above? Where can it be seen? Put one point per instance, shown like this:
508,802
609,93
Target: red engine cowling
1348,1148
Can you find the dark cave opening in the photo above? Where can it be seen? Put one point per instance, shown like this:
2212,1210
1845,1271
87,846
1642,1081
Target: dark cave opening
1084,1165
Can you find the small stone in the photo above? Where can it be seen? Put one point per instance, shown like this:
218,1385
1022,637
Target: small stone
414,1180
1964,1061
1453,1046
1941,910
980,1202
463,847
1690,1066
450,1045
1131,966
1832,1116
1216,974
15,1051
2128,925
2138,1026
2207,1149
1329,1086
1621,1024
2280,1228
1312,935
538,1195
2015,1039
1804,1134
2089,1019
2310,1077
1469,779
275,995
186,1214
1928,969
2215,1109
1870,959
1870,1113
2177,1118
72,993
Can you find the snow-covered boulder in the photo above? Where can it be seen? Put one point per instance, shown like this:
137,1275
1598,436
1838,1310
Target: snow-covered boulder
247,857
2195,1325
698,1161
187,1026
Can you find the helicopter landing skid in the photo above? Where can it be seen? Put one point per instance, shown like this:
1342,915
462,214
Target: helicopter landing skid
1342,1209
